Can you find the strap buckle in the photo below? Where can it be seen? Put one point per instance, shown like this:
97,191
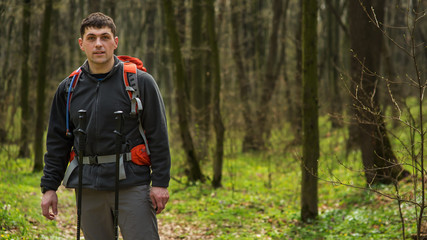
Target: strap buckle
93,160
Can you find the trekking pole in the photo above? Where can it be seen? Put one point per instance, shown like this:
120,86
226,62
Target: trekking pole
82,143
118,115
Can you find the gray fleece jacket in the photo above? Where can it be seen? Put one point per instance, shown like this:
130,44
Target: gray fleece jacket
101,98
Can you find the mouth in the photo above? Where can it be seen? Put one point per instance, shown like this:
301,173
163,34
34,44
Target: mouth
98,52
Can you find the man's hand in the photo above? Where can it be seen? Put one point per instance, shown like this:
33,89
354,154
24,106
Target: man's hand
49,200
159,196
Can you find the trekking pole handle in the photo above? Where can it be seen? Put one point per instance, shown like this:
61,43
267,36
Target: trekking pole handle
82,122
118,116
82,134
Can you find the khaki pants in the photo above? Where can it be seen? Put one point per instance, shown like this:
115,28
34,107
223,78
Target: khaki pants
137,217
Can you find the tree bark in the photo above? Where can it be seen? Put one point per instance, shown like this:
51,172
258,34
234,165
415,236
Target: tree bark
245,88
24,150
163,71
149,57
7,75
332,61
296,104
181,20
260,39
309,198
270,80
380,163
181,13
83,9
110,8
195,172
72,43
256,124
198,84
41,86
94,6
218,124
196,56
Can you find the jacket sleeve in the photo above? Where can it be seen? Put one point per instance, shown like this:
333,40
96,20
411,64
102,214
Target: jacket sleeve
154,123
58,145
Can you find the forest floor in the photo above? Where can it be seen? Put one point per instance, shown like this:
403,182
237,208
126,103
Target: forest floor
259,199
168,230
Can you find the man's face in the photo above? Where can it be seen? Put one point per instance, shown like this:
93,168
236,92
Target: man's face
99,45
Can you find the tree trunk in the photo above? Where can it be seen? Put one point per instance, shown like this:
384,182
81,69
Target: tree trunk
260,39
94,6
256,125
379,161
270,80
163,71
71,66
296,104
198,84
83,10
418,9
332,61
7,76
283,62
110,9
218,124
309,198
180,17
149,57
245,88
205,118
181,20
41,86
195,172
196,57
24,150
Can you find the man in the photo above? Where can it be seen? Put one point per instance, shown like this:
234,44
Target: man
101,92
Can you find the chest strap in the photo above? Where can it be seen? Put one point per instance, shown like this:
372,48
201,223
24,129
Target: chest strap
92,160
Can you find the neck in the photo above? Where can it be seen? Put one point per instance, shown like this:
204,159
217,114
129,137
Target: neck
96,68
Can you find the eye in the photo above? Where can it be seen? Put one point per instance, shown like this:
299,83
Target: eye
90,38
106,37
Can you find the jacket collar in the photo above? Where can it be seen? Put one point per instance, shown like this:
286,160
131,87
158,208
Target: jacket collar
117,63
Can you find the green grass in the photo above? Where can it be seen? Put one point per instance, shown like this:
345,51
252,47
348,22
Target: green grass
20,212
260,209
259,199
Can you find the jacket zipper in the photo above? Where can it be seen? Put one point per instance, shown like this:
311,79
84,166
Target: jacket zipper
96,116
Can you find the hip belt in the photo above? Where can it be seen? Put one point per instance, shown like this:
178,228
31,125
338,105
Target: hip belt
92,160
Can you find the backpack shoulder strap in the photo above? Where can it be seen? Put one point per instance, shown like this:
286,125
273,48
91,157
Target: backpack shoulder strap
71,83
72,80
131,85
130,79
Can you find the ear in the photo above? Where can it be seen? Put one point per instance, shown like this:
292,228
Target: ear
116,41
81,44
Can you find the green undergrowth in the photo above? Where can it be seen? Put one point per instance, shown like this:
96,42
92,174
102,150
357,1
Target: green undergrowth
20,198
248,206
259,199
20,214
261,202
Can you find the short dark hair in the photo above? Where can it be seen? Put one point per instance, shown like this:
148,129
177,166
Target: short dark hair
97,20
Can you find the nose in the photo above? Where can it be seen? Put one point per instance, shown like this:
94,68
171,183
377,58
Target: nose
98,42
